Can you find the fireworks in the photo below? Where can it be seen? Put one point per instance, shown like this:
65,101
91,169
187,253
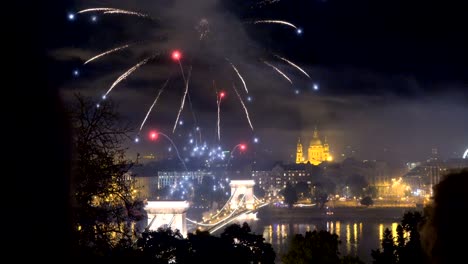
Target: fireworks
240,76
106,53
125,75
243,105
154,103
278,70
182,103
109,10
294,65
281,22
218,102
206,28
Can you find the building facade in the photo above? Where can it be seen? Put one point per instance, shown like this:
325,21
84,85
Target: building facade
272,180
317,152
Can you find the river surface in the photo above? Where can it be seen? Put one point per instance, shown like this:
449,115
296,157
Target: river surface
359,229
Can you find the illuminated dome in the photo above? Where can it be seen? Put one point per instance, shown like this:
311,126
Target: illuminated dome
315,141
317,152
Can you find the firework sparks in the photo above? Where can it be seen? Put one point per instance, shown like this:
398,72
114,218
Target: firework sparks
243,105
276,22
154,103
219,98
183,100
126,74
98,9
109,10
204,29
125,12
106,53
279,71
218,102
238,74
294,65
177,56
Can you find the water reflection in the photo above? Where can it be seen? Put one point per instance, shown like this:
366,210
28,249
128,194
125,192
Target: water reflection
357,238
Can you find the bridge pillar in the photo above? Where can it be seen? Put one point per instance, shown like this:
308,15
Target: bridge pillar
167,213
240,189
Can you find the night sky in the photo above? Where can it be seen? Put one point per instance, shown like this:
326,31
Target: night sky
391,75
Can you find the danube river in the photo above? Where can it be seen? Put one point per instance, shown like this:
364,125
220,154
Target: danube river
359,229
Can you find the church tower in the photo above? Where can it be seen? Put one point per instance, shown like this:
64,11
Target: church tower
315,151
299,154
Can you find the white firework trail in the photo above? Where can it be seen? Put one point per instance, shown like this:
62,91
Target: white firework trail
218,102
154,103
292,64
126,74
238,74
106,53
188,96
98,9
109,10
125,12
278,70
175,147
276,22
243,105
183,100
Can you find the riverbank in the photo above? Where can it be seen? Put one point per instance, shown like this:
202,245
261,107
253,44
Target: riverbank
338,213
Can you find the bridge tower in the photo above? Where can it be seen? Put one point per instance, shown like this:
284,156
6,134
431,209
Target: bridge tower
242,194
167,213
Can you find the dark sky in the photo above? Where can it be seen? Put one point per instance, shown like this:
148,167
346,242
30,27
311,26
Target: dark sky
392,75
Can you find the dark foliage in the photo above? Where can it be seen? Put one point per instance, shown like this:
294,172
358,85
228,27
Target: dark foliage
403,248
444,239
367,201
290,195
316,247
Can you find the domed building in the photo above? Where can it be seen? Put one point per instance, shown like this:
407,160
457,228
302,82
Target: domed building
317,152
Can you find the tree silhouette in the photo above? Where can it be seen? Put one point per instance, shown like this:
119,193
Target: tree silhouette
164,246
316,247
302,189
235,245
250,248
444,239
320,194
405,248
105,204
290,195
388,253
367,201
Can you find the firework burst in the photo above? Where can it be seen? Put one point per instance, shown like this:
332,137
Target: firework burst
202,47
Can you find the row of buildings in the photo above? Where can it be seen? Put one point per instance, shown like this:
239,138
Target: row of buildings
315,168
